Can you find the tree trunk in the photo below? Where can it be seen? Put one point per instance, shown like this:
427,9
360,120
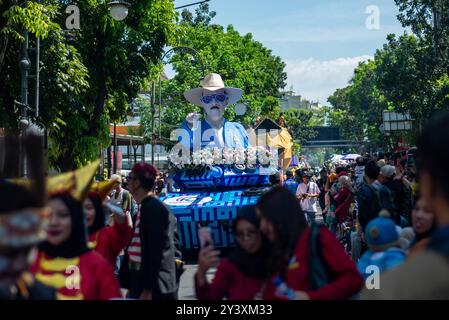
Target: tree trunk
101,85
66,162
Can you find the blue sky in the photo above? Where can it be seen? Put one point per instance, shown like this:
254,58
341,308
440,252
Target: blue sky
321,41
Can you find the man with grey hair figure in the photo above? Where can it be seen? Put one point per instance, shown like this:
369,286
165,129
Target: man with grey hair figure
213,130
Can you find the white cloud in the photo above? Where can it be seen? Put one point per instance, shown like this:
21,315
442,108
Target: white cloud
317,80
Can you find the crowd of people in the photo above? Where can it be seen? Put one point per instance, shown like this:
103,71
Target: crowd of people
384,233
68,238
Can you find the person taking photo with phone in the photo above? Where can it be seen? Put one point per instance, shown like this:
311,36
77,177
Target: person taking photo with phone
243,274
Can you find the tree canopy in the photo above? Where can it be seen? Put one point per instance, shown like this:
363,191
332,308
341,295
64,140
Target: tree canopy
409,74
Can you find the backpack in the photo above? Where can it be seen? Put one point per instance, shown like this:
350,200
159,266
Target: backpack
318,270
385,201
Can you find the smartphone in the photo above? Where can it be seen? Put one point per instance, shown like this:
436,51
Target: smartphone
205,237
114,208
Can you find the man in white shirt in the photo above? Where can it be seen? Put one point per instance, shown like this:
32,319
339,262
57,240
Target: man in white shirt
308,193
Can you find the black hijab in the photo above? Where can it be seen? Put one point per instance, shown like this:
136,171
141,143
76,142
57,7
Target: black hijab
251,265
76,244
99,220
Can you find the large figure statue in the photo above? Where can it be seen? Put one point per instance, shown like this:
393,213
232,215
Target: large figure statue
213,130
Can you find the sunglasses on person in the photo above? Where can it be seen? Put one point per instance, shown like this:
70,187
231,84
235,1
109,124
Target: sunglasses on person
219,97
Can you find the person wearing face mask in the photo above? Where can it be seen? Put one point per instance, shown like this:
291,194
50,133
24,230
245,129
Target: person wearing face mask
106,240
242,275
64,260
213,130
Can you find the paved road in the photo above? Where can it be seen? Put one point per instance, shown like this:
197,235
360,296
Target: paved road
186,288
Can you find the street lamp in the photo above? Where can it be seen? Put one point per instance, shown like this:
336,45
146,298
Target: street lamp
191,4
119,9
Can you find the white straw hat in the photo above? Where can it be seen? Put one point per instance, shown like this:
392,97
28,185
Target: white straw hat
212,82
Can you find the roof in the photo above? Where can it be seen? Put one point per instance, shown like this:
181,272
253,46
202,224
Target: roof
268,124
125,129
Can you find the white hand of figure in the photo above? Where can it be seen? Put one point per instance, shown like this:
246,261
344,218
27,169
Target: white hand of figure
192,119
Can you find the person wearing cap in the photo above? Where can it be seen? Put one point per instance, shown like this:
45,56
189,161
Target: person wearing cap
213,130
64,260
403,193
382,239
321,182
152,266
308,193
397,189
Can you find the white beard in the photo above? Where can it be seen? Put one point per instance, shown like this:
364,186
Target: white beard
215,115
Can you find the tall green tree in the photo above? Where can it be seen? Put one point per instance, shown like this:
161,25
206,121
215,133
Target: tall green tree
429,21
61,70
88,83
119,57
300,122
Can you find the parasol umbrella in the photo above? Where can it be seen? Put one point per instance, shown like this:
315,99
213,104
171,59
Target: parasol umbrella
351,156
294,162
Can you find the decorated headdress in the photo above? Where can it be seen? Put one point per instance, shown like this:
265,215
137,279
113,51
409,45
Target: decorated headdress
103,188
75,183
22,213
71,188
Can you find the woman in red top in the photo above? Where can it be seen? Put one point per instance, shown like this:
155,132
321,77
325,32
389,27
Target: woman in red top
107,241
242,275
343,199
64,261
284,224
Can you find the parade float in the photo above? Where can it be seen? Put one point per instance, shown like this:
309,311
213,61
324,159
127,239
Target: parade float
229,168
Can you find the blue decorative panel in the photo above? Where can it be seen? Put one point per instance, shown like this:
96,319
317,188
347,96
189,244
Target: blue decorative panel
219,177
216,209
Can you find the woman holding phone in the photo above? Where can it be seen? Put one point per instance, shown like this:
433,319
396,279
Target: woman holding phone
242,275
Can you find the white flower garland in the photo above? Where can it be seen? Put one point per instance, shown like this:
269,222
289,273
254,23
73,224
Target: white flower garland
228,156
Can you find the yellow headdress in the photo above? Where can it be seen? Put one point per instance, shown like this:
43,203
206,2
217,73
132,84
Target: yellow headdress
76,183
103,188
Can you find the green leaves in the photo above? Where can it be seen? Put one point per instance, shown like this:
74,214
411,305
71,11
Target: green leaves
89,82
37,18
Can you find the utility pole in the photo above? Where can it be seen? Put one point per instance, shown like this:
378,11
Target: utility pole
24,66
115,149
153,112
